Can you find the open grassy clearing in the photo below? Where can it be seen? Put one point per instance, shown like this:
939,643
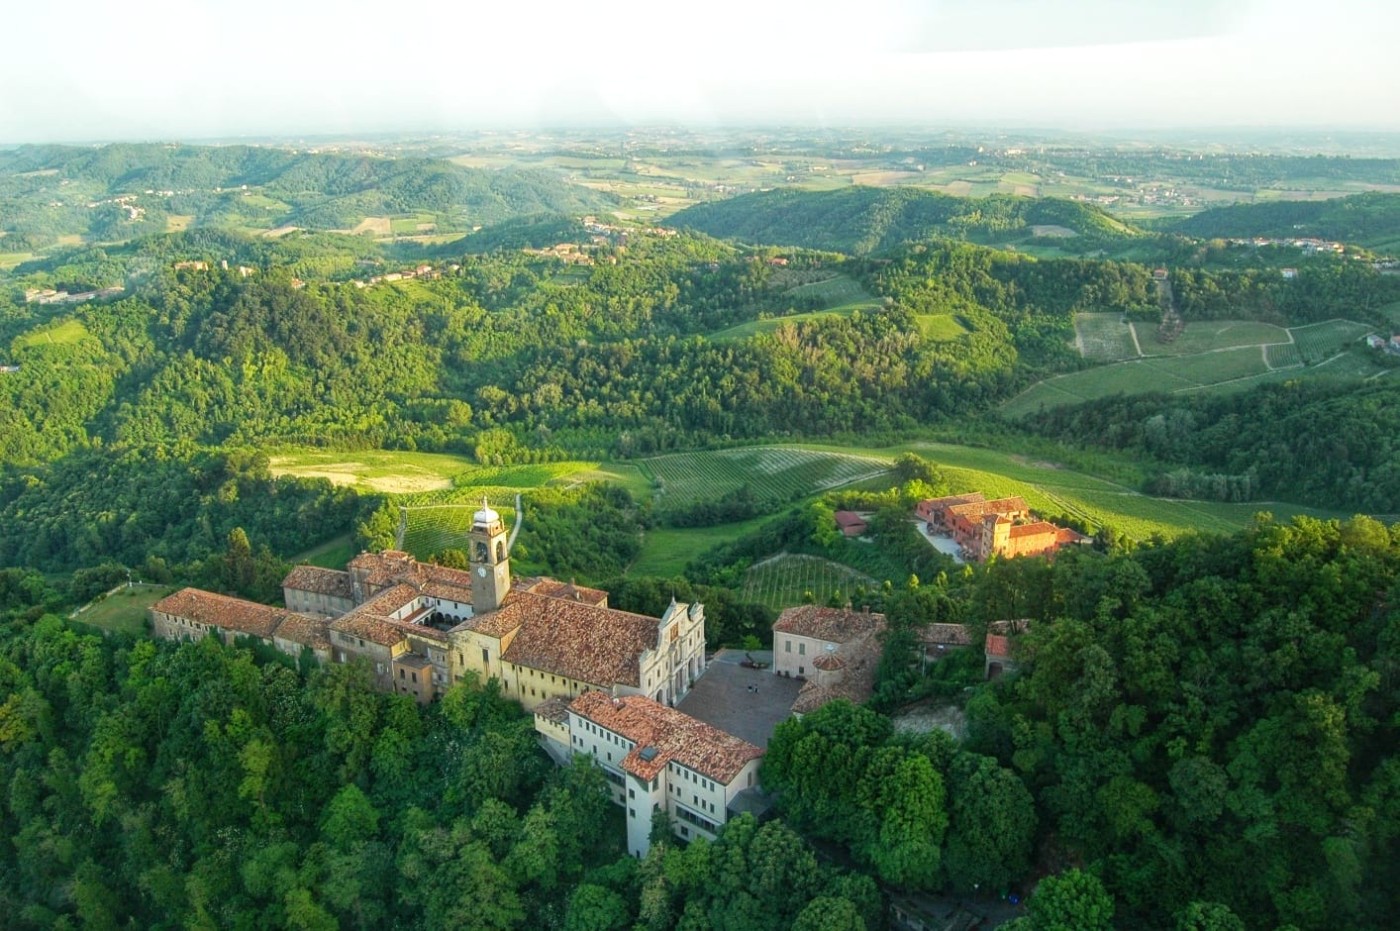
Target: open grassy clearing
666,550
178,222
776,473
333,554
836,292
418,223
941,328
1104,337
373,470
11,259
63,333
124,611
789,579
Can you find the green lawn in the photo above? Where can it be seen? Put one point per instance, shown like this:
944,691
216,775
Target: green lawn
124,611
333,554
666,550
940,328
373,470
63,333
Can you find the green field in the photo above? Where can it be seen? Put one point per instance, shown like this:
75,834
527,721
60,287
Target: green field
787,579
1218,356
833,296
775,473
940,328
124,611
373,470
1051,489
63,333
1206,335
1392,313
1104,337
333,554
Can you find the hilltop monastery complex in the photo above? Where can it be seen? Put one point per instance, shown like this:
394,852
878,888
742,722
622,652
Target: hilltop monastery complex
601,683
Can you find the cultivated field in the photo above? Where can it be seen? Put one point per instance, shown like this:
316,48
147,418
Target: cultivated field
1104,337
1218,356
786,579
775,473
429,529
375,226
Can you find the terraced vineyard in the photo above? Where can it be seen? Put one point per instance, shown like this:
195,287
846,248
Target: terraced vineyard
432,528
1319,341
1104,337
787,579
775,473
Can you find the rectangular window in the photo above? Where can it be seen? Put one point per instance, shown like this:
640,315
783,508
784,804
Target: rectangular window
485,657
787,646
631,792
802,649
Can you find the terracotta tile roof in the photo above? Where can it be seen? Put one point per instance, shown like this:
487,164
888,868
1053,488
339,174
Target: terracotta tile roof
554,709
999,639
952,635
446,590
850,519
392,567
829,661
835,625
232,614
319,581
368,627
1039,528
930,505
389,600
975,511
307,630
858,660
600,646
694,744
553,588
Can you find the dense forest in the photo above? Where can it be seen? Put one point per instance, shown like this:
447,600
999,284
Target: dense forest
121,191
1330,443
1199,728
1360,218
862,220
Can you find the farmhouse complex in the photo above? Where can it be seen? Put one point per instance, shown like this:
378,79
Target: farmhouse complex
1003,528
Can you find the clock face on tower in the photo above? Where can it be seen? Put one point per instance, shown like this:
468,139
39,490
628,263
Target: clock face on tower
481,571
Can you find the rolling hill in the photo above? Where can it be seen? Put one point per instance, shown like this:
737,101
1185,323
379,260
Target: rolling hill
862,220
119,191
1366,219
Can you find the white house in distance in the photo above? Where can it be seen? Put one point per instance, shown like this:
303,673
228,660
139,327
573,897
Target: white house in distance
656,759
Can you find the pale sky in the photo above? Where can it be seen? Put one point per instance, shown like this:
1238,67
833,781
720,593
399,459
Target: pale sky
190,69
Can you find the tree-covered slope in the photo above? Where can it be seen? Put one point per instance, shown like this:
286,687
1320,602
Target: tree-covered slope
1362,218
861,220
49,191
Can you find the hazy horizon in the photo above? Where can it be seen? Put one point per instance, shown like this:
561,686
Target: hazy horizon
161,70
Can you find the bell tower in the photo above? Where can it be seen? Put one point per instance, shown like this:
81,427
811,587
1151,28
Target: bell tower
490,562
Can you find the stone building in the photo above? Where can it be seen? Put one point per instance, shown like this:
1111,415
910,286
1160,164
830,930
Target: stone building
655,759
422,627
837,651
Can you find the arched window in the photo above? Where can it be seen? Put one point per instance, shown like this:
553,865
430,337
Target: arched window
500,551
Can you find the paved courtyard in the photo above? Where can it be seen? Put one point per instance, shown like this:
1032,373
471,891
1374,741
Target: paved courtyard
721,697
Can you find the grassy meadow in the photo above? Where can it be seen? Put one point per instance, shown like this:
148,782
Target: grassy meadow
778,473
124,611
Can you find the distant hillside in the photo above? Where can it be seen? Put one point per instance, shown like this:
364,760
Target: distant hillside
862,220
47,192
1371,218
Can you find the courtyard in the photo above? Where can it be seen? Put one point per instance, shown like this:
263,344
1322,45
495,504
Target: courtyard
722,696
